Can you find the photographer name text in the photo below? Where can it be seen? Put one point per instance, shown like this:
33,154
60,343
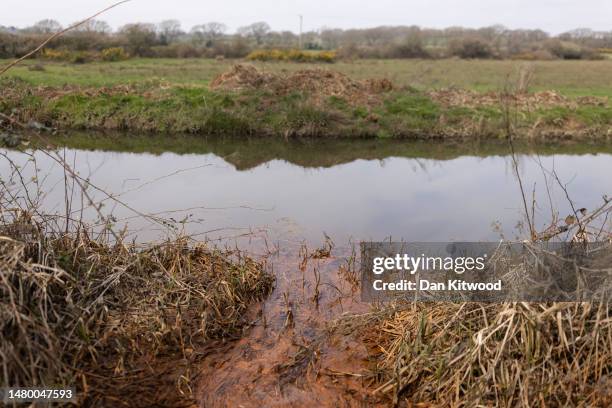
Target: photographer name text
425,285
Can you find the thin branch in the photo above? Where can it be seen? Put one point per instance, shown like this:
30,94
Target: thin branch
505,107
520,181
570,201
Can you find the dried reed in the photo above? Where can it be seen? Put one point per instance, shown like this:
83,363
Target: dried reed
122,323
513,354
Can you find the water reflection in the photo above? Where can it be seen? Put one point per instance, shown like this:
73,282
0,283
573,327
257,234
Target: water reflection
439,194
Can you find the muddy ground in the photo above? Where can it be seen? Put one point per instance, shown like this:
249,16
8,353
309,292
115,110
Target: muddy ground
293,355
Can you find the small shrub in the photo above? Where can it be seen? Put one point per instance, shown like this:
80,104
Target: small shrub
327,56
293,55
567,51
571,51
349,52
82,57
539,55
236,48
471,49
56,55
410,49
114,54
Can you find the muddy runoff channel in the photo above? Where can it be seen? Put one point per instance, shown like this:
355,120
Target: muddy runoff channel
303,207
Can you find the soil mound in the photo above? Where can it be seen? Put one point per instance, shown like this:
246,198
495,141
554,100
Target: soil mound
242,77
318,83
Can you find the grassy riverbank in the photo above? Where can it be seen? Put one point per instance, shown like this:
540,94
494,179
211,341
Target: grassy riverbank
174,97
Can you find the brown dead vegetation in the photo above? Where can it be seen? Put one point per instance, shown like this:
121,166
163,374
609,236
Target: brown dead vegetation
500,354
122,323
14,90
521,100
512,354
319,84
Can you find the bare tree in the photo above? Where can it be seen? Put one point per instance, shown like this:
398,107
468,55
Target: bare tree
95,26
140,37
208,33
257,31
169,31
46,26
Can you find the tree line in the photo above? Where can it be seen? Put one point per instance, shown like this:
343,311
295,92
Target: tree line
169,39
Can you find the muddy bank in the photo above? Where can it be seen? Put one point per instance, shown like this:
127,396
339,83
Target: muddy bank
308,103
317,343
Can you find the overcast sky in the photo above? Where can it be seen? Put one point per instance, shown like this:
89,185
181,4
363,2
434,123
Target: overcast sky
553,16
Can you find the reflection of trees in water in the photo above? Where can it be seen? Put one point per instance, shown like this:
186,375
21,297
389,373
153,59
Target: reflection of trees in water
247,153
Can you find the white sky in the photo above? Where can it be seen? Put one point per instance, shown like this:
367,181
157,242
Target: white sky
553,16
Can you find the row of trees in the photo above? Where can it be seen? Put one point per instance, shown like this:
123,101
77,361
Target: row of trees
169,39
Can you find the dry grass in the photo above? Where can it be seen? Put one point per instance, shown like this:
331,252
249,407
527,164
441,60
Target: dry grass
124,324
501,354
513,354
519,100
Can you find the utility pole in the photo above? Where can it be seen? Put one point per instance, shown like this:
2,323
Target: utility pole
301,26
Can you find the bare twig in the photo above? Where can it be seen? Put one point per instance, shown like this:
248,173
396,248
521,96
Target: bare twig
509,133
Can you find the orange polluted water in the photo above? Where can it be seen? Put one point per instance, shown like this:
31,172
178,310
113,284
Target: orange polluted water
287,357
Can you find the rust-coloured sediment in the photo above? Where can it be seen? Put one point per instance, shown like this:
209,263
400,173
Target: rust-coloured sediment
288,358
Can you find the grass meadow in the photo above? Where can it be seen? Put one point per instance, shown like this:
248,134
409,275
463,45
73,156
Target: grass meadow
571,78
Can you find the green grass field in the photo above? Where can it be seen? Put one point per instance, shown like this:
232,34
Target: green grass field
571,78
172,96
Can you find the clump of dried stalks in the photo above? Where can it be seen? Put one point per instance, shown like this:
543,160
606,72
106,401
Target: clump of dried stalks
122,323
512,354
495,354
499,354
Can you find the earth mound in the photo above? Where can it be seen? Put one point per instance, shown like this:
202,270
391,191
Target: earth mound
317,83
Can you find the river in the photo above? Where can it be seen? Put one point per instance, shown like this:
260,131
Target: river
226,189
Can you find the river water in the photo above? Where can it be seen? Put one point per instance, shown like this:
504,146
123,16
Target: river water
349,190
